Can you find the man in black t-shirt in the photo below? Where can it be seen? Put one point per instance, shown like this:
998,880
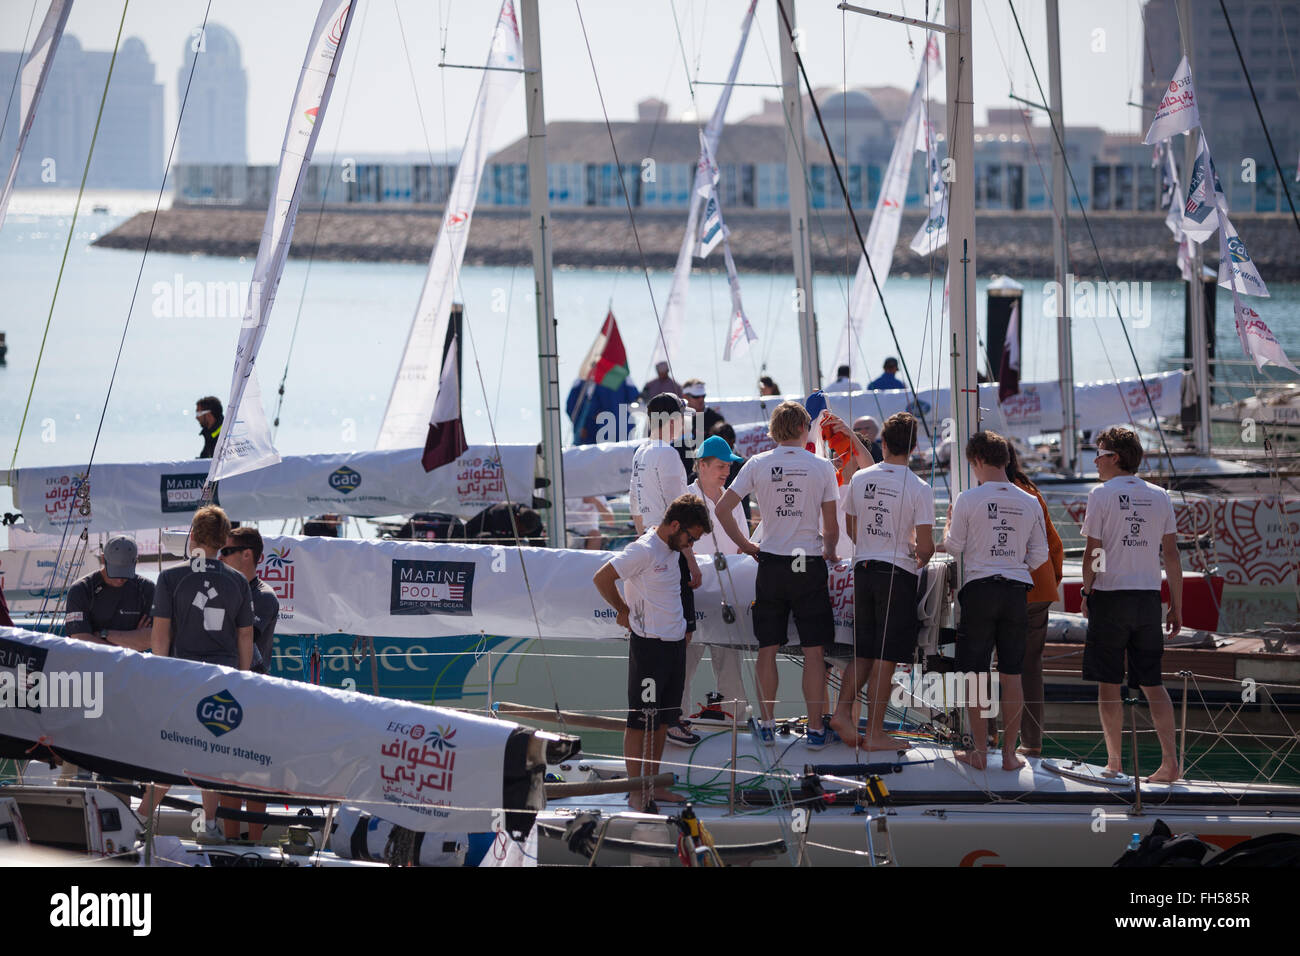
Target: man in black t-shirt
112,605
243,553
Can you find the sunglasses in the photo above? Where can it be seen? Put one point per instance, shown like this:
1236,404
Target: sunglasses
232,548
1106,454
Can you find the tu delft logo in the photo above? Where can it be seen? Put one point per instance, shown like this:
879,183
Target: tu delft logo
345,480
220,713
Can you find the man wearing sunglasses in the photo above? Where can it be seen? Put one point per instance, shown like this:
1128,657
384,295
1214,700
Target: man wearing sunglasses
1129,526
651,609
243,552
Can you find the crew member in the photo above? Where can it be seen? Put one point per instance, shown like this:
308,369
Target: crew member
1129,525
112,605
889,515
998,530
796,492
208,412
842,383
651,609
889,379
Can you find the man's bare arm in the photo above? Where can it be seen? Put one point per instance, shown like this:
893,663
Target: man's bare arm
724,512
161,637
605,579
246,648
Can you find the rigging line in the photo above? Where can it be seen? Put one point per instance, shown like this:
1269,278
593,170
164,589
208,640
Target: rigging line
311,257
72,228
171,152
1146,392
839,176
618,165
18,70
1286,38
1277,164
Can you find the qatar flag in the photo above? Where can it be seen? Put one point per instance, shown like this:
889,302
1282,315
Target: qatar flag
446,440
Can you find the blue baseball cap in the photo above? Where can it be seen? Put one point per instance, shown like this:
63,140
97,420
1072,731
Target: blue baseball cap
815,404
715,446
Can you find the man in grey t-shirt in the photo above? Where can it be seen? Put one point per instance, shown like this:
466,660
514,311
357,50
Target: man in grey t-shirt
243,553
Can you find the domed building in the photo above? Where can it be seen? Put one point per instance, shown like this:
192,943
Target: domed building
858,131
215,127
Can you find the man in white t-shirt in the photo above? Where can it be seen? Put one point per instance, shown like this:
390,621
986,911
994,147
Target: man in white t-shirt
651,609
889,515
797,494
712,467
997,531
1129,525
658,478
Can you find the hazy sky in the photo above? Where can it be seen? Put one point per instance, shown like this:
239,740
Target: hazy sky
637,55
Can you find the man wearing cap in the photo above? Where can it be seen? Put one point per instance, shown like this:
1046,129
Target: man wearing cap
712,469
842,382
661,383
889,379
112,605
694,392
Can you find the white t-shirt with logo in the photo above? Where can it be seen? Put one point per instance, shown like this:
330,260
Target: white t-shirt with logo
889,501
657,478
791,485
718,541
1130,517
998,529
652,587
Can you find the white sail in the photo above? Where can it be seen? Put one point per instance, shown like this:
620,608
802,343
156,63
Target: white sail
34,71
415,389
245,441
933,233
882,235
667,344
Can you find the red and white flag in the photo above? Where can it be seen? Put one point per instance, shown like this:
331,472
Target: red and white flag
1177,112
446,440
1009,368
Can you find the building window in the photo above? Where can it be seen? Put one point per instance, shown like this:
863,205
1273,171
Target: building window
1100,187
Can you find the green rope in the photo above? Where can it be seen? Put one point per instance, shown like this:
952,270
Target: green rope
71,230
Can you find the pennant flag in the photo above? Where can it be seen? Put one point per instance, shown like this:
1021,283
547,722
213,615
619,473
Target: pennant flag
741,332
446,440
1177,112
933,234
713,230
1235,265
706,169
1009,367
1200,219
606,361
1257,340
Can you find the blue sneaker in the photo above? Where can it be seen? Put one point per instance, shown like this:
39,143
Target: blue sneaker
815,739
766,734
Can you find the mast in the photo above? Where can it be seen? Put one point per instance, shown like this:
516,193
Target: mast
800,216
1196,288
1060,247
544,292
961,239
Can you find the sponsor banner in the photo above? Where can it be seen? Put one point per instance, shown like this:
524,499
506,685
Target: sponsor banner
430,590
421,767
163,494
604,468
1178,111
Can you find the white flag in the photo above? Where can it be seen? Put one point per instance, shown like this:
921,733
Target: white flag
245,442
668,341
741,332
882,234
34,71
933,234
1177,112
713,230
706,169
1200,216
1257,340
1173,195
1236,268
415,389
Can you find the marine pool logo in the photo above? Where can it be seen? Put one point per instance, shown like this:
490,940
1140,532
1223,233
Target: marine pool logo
432,587
345,480
182,494
220,713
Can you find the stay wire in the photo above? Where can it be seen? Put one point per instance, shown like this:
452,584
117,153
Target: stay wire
18,70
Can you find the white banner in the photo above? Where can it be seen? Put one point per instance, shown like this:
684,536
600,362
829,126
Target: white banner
1204,195
415,389
1237,271
422,767
668,342
245,441
372,483
882,234
1177,112
34,71
1256,338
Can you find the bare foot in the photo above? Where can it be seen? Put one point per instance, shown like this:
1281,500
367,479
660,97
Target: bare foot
883,742
848,732
1112,770
1167,773
664,795
974,758
1029,751
1011,762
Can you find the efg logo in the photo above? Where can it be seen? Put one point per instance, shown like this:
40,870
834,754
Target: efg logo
345,480
220,713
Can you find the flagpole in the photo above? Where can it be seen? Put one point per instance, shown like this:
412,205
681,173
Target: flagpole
1196,287
547,336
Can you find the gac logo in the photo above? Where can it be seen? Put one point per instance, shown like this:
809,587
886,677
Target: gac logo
220,713
970,858
345,480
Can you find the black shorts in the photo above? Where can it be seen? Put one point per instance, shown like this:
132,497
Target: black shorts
1121,622
884,612
994,613
688,596
664,663
780,590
